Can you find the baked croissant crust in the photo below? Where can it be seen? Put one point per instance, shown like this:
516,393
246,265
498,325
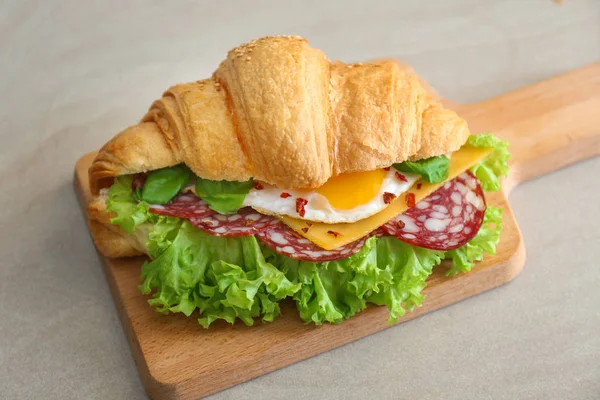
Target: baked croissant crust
278,111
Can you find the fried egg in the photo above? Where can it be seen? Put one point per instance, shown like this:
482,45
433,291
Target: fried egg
345,198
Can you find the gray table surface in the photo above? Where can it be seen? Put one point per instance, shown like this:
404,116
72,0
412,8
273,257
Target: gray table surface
76,72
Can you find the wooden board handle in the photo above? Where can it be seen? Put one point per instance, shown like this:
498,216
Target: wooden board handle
549,125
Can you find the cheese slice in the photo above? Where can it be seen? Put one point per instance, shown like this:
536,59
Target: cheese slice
317,232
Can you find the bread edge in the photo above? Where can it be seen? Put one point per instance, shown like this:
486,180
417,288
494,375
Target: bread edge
109,239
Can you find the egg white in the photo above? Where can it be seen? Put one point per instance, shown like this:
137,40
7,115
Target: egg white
268,200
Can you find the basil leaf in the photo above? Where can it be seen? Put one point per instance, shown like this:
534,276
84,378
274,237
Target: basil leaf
225,197
164,184
432,170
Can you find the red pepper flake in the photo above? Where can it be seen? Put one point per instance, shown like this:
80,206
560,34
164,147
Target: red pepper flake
410,200
400,224
304,230
250,222
401,177
258,186
334,233
295,234
388,197
386,169
300,203
285,195
309,224
419,186
206,223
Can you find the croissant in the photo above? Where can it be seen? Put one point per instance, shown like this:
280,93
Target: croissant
278,111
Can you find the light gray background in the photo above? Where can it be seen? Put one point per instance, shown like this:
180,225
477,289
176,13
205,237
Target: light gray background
73,73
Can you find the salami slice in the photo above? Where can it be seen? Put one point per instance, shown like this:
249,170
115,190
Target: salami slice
444,220
285,241
184,205
245,222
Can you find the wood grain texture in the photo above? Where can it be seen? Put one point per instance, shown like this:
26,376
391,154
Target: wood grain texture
549,126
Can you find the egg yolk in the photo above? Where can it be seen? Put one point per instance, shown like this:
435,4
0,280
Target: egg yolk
353,189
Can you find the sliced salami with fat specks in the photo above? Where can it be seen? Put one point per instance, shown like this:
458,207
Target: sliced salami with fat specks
446,219
245,222
184,205
285,241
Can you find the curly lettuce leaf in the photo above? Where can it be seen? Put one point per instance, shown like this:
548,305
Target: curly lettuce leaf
225,197
224,278
332,291
162,234
484,242
386,272
410,267
432,170
495,166
129,212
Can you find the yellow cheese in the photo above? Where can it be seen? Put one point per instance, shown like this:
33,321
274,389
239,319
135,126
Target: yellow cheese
317,232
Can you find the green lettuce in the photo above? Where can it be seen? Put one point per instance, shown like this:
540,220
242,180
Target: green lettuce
129,212
224,278
386,272
484,242
432,170
237,278
495,166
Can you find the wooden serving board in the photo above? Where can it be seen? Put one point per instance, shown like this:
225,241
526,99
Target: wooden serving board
549,125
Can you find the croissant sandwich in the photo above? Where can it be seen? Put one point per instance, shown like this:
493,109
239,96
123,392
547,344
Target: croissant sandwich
286,175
